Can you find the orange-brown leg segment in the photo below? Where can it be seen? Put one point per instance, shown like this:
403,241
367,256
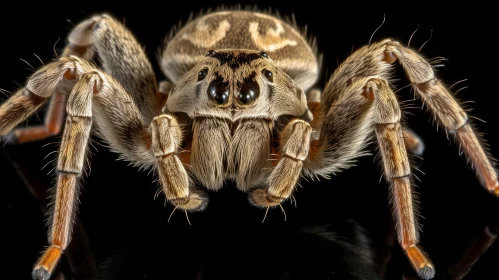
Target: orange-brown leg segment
445,108
52,124
413,143
69,167
31,101
397,172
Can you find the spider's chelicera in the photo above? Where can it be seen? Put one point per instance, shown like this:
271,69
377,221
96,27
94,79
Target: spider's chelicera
238,105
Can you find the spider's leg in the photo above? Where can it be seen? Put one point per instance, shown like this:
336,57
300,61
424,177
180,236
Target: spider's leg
52,123
413,143
294,145
445,108
122,57
366,103
397,171
51,80
69,168
473,252
166,139
79,256
118,118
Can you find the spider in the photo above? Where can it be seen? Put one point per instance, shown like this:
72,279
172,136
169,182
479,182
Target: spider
239,104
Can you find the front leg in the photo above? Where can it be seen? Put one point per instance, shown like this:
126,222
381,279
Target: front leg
122,57
295,143
166,139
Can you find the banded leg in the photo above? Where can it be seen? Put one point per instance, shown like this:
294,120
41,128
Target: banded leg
69,167
295,143
53,78
397,172
122,57
367,103
52,123
445,109
166,139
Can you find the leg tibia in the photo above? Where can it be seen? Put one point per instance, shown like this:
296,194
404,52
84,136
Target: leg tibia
166,138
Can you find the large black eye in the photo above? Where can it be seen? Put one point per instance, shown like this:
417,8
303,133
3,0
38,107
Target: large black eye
202,74
211,53
263,54
268,74
218,91
248,92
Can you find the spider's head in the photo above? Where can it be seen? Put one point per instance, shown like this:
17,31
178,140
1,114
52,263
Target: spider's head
236,84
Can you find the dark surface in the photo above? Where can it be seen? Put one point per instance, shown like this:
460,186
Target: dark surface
127,229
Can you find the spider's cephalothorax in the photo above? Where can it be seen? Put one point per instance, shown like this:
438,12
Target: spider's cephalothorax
238,106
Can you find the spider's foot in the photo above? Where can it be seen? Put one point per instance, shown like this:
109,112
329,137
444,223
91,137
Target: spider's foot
413,143
40,274
496,192
262,198
420,262
46,264
194,202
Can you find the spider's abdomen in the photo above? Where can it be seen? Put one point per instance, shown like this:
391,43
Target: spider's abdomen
242,30
224,150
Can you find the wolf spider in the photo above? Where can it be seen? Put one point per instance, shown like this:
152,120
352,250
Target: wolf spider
239,105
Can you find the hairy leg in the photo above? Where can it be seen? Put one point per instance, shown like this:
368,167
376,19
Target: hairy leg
115,113
166,140
122,57
413,143
294,143
345,128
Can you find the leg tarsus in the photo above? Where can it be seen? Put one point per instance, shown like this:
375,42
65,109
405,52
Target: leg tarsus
413,143
420,262
47,263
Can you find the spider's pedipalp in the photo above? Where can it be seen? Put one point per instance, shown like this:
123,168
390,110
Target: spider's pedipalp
166,138
294,144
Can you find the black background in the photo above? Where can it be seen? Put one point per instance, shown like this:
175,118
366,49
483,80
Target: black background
124,222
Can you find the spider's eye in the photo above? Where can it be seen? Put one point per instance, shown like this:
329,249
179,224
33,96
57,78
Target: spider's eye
263,54
268,74
218,91
202,74
211,53
248,92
